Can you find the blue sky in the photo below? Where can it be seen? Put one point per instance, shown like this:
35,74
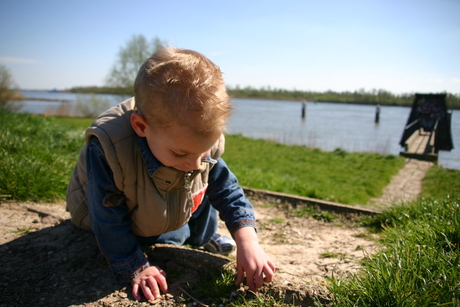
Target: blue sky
402,46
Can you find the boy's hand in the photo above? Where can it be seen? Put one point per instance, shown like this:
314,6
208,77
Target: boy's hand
150,281
251,260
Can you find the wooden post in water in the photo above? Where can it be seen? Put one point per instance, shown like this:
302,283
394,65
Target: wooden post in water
304,107
377,114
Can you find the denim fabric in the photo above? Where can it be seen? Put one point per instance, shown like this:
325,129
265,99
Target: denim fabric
110,222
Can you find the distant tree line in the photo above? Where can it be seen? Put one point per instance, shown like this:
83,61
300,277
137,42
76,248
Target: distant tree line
122,91
361,96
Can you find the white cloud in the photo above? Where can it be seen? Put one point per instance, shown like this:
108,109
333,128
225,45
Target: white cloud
15,60
455,80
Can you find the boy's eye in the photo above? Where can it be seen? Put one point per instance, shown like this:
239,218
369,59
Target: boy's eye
178,155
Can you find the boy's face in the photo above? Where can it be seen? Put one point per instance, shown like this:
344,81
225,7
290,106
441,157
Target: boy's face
177,146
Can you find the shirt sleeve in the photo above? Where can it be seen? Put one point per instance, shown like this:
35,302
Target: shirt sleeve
108,215
229,199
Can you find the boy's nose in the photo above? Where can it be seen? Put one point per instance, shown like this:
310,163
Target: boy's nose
193,164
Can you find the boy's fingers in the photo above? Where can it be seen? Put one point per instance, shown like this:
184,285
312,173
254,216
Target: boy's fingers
239,276
147,293
269,271
258,279
152,286
250,280
135,292
163,285
272,265
162,272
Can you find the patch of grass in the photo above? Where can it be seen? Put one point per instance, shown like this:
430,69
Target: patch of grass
304,211
325,216
330,254
439,182
259,301
348,178
419,264
37,156
363,235
218,286
77,123
23,231
312,211
277,220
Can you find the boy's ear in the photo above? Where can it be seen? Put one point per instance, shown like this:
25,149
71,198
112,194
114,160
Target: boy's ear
139,124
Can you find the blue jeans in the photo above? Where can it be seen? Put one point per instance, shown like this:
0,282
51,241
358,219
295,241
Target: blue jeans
197,232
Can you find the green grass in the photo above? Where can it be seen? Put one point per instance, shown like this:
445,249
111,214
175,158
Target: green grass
348,178
216,287
419,262
440,181
23,230
73,122
37,156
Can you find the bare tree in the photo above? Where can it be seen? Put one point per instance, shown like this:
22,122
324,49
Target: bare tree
7,94
130,58
91,106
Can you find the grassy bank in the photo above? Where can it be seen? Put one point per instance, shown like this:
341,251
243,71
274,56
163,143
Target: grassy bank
35,147
338,176
419,261
419,264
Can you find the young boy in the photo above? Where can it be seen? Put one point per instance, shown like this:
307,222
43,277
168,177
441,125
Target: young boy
151,172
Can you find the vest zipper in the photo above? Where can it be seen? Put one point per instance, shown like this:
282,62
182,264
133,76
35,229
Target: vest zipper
187,180
175,199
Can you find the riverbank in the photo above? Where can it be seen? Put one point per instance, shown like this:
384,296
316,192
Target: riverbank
41,99
372,97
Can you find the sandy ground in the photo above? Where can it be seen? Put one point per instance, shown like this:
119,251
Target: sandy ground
46,261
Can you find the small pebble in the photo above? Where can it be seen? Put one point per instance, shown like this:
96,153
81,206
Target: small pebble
123,295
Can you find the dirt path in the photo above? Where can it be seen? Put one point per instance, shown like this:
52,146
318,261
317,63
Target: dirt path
47,261
406,185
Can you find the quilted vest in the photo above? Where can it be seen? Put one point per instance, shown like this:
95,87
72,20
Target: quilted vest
157,204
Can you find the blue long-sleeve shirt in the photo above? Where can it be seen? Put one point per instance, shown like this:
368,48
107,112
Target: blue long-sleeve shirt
109,214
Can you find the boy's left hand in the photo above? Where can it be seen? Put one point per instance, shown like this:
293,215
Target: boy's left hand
149,282
251,260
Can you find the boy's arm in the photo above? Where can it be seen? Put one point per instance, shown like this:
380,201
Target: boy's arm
228,198
108,216
237,212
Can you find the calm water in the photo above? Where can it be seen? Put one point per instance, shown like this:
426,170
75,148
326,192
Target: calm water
326,126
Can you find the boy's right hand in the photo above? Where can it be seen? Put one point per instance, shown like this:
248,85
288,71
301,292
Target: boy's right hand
150,281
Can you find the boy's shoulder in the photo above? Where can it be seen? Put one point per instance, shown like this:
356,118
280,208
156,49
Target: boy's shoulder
115,123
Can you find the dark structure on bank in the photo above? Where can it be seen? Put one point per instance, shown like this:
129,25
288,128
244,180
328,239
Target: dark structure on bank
428,128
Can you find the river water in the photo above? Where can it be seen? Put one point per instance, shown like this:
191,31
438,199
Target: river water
326,125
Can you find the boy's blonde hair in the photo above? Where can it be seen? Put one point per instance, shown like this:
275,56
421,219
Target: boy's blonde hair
179,86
